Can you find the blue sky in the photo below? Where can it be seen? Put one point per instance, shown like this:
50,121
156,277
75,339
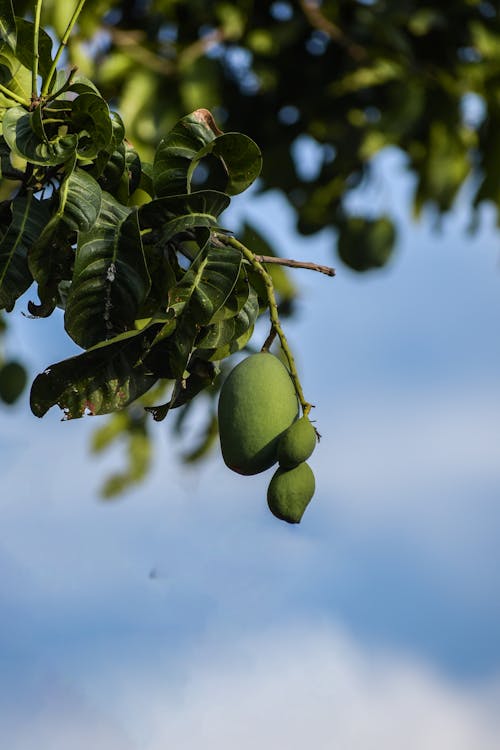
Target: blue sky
372,624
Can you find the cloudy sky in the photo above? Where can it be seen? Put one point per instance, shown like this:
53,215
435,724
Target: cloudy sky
372,624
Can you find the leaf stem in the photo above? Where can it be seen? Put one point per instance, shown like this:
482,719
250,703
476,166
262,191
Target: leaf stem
273,314
15,97
327,270
36,54
62,46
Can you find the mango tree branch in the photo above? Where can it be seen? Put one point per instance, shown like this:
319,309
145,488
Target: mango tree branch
273,314
327,270
313,13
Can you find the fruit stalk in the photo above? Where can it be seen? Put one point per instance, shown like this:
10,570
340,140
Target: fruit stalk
273,314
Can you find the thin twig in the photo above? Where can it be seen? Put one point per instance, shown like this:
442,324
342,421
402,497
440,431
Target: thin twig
327,270
312,11
198,48
62,46
130,42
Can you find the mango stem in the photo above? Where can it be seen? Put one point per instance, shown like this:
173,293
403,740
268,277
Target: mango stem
273,314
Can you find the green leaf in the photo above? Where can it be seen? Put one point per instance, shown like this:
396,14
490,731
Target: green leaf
25,135
235,345
109,164
51,257
50,261
14,76
200,375
195,137
29,216
110,278
241,159
200,293
236,300
222,333
207,283
161,211
80,200
176,152
8,32
91,119
7,170
25,49
78,84
99,381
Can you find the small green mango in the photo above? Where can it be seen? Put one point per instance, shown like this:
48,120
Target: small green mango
297,443
290,492
12,381
257,404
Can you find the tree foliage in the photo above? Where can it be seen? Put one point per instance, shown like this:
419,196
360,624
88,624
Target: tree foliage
123,232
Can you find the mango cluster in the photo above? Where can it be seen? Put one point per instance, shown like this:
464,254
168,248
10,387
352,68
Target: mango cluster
259,426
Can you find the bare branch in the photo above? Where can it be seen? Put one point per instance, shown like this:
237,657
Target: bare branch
327,270
312,11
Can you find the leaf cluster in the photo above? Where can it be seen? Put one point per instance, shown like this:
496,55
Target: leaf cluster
130,251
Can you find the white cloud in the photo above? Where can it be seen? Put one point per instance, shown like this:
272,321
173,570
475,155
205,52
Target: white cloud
301,687
54,715
294,687
410,452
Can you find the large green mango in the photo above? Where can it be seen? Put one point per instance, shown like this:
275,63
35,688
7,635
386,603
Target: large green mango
257,404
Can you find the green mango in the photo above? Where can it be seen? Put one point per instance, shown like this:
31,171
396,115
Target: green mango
290,492
257,404
12,381
297,443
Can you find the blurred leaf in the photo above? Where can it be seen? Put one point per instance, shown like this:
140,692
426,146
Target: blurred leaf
207,439
112,429
139,454
443,168
364,244
13,380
